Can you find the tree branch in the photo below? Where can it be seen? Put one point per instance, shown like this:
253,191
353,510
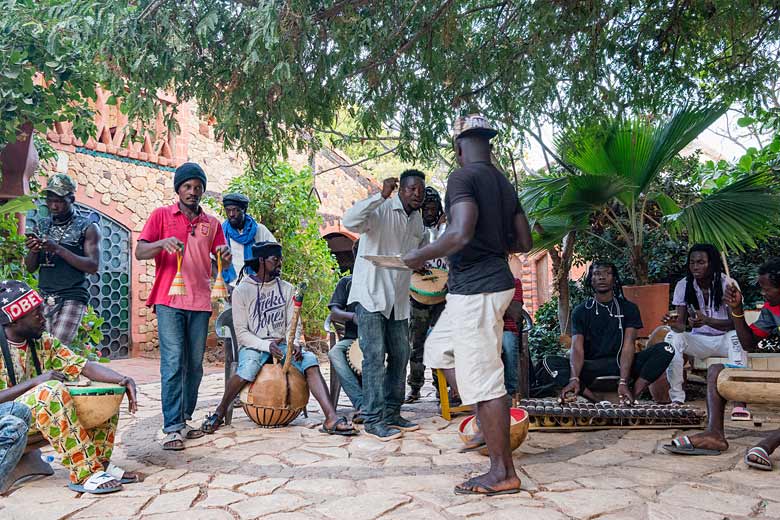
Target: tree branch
361,161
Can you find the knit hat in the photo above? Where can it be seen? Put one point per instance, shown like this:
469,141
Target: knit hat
16,300
186,172
235,199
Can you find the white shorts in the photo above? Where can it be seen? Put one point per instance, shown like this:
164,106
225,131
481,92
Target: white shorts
468,337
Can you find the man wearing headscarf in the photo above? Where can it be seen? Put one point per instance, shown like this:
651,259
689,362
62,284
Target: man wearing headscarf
242,232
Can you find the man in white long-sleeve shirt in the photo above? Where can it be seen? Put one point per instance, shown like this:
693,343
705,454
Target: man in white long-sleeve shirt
389,225
262,310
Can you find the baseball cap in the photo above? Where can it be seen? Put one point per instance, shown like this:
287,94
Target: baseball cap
473,124
61,184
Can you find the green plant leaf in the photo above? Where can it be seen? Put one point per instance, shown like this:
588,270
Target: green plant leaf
665,202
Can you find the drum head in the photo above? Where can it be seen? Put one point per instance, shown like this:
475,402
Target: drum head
355,357
429,288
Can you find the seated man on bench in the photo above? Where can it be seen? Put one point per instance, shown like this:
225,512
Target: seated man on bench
262,311
713,440
604,330
33,370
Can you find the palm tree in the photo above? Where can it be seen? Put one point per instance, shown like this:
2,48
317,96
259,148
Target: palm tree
611,169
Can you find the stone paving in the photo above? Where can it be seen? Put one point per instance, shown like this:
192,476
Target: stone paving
244,472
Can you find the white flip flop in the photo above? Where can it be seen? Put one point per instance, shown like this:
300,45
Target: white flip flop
93,483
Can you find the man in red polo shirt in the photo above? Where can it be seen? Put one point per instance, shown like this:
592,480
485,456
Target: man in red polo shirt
182,229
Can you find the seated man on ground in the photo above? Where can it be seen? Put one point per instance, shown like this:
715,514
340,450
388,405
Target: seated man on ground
262,309
712,334
713,440
342,312
604,330
14,423
34,373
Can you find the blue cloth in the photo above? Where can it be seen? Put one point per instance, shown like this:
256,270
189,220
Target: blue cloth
383,387
246,238
250,362
511,356
347,376
14,422
182,336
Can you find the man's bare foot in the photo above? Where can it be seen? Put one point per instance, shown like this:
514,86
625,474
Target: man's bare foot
709,441
487,484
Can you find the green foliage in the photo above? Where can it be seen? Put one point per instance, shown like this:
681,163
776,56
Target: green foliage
12,250
48,63
544,336
89,336
273,72
283,199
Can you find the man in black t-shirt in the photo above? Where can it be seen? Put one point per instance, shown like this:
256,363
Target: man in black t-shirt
603,335
65,250
485,224
343,313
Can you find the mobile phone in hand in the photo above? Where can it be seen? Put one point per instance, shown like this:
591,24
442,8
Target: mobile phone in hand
30,234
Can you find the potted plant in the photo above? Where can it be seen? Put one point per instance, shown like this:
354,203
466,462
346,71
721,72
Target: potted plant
609,172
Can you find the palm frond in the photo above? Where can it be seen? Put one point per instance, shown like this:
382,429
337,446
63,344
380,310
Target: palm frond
548,232
540,192
585,148
734,217
20,204
589,193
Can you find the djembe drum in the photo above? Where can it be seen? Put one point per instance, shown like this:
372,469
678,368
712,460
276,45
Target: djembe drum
97,403
429,288
279,393
355,358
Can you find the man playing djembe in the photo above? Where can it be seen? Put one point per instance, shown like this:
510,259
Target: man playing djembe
33,370
262,312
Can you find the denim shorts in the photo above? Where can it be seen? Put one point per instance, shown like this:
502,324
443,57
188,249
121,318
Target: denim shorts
250,362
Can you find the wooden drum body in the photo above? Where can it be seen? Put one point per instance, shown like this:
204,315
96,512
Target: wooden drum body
276,397
96,403
518,429
752,386
355,358
429,288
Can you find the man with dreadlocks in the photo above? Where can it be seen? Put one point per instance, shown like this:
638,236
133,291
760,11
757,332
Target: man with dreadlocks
698,299
713,440
604,330
423,317
262,312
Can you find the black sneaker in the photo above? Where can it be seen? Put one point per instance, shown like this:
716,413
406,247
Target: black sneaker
381,432
402,424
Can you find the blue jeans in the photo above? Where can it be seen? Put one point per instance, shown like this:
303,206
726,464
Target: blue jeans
14,423
348,378
182,343
511,357
250,362
383,388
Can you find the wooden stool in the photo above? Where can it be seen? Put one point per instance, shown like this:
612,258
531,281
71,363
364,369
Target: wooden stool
444,398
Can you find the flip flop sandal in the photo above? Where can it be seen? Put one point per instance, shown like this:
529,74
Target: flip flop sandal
740,413
91,485
335,431
469,488
173,442
212,423
358,418
119,474
684,446
191,433
761,454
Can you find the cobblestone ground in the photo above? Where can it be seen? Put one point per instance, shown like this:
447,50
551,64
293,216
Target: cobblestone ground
244,472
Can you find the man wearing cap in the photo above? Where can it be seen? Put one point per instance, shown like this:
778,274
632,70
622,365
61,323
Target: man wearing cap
66,249
485,223
33,370
389,225
182,230
241,232
263,306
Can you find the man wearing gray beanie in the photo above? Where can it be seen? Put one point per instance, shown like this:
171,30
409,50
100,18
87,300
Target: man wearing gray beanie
182,234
